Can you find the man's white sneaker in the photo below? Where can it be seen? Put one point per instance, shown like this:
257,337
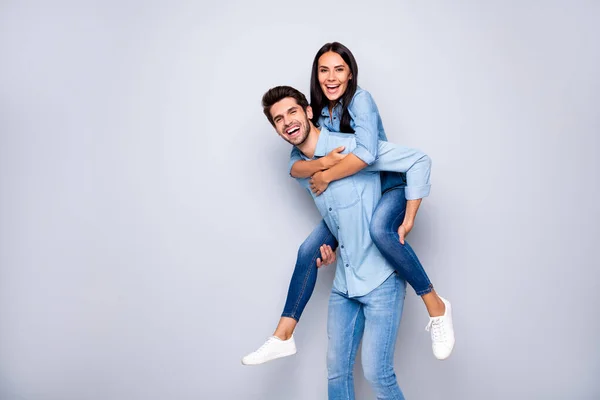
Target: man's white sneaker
442,333
272,349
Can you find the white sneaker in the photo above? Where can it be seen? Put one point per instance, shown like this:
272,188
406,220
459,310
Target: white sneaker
272,349
442,333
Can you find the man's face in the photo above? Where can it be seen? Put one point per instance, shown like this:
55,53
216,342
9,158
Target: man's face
291,122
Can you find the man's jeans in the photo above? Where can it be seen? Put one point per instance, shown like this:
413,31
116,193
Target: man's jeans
375,318
387,217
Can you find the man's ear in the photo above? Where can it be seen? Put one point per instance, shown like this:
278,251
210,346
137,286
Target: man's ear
309,112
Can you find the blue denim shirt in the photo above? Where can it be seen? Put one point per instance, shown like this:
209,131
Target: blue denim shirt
368,128
348,205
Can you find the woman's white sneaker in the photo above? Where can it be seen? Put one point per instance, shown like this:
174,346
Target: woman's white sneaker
272,349
442,333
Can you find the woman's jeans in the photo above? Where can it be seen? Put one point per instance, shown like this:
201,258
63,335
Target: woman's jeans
386,219
375,318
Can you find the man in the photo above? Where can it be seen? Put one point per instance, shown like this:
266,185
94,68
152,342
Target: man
367,296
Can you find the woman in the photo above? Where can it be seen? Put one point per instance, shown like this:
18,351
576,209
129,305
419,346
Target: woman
341,106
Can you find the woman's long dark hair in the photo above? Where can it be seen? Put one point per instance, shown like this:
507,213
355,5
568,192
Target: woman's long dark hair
317,97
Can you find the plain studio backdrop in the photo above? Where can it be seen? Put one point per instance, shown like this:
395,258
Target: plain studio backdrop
148,227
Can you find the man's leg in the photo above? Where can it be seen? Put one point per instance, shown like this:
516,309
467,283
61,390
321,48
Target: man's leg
345,325
383,310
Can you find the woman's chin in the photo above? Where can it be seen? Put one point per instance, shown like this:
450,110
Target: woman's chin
332,98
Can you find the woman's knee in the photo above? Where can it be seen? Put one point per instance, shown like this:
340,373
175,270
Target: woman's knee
305,252
381,231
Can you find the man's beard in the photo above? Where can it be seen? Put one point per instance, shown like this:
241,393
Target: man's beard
300,139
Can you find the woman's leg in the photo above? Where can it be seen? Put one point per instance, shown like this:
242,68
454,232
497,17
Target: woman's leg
345,325
303,279
382,309
387,217
301,287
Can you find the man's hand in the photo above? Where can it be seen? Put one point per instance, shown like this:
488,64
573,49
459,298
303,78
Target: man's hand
334,157
319,183
328,256
403,231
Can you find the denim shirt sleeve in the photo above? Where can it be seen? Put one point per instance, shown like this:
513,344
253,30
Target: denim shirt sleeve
413,162
294,156
365,116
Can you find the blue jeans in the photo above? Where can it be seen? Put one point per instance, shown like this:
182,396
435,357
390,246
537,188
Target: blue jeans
375,318
387,217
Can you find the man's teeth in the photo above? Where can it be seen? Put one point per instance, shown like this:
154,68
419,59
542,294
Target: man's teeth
293,130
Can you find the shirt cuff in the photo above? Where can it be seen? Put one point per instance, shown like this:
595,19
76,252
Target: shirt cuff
363,154
416,192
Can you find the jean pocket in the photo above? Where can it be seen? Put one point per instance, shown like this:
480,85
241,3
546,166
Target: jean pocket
345,192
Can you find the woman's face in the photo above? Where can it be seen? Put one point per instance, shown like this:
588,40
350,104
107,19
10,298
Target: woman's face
334,74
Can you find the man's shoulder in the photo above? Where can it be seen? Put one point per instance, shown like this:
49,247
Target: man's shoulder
337,139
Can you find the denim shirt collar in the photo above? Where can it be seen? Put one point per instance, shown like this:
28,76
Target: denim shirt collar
321,149
325,110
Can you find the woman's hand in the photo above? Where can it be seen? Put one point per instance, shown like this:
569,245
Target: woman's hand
319,183
334,157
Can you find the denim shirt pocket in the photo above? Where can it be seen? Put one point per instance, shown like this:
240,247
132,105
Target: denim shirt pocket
344,192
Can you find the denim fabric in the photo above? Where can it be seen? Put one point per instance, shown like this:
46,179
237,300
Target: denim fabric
348,204
387,217
304,277
375,319
368,130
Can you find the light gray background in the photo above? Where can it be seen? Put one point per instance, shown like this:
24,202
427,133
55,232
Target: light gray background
148,228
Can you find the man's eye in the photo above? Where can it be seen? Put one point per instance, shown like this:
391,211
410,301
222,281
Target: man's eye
293,112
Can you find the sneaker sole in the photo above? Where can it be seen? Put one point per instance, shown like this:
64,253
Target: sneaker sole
270,359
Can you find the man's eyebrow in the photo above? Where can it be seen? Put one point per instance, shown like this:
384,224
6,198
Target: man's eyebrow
287,111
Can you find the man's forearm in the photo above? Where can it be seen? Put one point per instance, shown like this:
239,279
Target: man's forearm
350,165
412,206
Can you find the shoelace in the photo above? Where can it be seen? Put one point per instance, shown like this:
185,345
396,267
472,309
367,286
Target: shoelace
436,326
265,345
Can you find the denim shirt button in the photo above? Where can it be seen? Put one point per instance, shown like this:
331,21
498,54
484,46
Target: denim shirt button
329,208
347,265
342,246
